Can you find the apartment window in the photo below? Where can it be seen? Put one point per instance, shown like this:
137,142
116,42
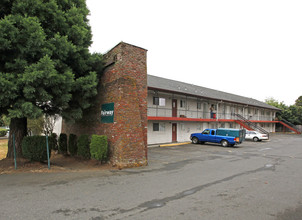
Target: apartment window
162,126
198,105
232,109
162,102
223,109
155,100
155,126
159,126
159,101
182,103
182,126
199,127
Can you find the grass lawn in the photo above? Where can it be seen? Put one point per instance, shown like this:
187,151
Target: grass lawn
3,148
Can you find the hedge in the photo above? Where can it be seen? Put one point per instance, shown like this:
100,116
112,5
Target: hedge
63,143
3,132
34,148
54,138
83,146
72,144
99,147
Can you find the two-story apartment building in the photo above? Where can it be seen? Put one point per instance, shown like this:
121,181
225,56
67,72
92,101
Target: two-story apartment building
146,110
177,109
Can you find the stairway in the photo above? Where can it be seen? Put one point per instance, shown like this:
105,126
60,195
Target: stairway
244,125
244,122
290,126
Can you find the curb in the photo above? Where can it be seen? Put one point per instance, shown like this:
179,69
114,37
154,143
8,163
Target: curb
174,144
153,145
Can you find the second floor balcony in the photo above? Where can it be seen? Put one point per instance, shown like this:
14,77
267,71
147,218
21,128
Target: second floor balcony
199,114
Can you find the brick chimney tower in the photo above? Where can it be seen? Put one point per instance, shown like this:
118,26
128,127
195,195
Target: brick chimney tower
120,110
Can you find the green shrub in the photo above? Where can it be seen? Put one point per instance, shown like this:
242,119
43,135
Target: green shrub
72,144
98,147
54,139
83,146
3,132
63,143
34,148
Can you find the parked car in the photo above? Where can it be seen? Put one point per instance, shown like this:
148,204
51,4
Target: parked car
255,136
226,137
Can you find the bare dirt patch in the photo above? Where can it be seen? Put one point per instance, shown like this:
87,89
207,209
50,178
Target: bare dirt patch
58,163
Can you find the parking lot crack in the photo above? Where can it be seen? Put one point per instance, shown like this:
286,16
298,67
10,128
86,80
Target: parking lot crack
158,203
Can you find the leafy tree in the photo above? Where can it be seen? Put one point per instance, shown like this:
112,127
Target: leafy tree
35,126
1,121
4,121
299,101
273,102
41,125
291,113
296,114
45,64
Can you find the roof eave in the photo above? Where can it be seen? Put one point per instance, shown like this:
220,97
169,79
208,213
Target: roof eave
206,97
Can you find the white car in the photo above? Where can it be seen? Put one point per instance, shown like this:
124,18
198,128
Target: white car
255,136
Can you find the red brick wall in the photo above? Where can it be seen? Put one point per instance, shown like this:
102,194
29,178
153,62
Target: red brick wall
124,83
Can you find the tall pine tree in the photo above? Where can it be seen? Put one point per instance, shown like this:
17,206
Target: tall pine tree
45,64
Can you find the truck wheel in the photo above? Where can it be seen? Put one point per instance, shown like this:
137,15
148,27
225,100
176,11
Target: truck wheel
255,139
195,140
224,143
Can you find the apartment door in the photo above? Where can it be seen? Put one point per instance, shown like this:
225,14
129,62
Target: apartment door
205,111
174,107
174,132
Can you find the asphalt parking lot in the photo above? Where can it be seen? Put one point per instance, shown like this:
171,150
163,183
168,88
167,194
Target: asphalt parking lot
257,180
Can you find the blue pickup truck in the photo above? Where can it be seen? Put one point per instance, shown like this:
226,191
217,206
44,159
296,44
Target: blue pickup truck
226,137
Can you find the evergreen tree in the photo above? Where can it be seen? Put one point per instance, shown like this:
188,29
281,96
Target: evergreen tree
45,64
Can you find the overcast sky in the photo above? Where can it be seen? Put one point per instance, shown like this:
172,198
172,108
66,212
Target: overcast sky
250,48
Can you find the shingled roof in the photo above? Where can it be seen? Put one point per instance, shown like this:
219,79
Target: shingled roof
155,82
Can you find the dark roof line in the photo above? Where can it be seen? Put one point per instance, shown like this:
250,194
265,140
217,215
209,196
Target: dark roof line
164,84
